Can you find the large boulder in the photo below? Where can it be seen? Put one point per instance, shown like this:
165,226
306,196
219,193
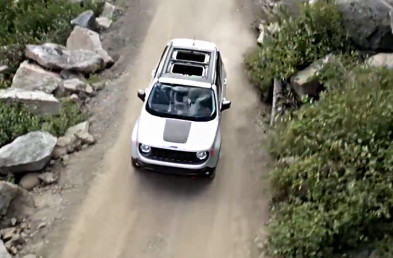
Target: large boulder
33,77
82,38
368,23
57,57
305,82
36,101
30,152
14,201
381,60
86,20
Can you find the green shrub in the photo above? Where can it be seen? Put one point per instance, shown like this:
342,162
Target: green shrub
69,115
337,193
16,120
316,32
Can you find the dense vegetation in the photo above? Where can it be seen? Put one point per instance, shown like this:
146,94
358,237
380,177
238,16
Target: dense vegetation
33,22
316,32
16,120
333,183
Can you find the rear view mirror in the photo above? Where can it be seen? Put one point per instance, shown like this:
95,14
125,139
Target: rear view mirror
226,104
142,95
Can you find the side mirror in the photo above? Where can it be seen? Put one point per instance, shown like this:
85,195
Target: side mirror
142,95
226,104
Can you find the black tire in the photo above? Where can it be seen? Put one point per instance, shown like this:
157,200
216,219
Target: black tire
135,164
212,174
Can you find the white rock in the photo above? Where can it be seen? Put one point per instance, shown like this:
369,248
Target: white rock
53,56
36,101
29,181
86,138
30,152
76,85
48,178
108,11
33,77
381,60
86,20
104,22
82,38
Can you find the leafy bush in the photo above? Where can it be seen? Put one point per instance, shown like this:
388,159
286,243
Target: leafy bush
337,191
16,120
69,115
316,32
35,21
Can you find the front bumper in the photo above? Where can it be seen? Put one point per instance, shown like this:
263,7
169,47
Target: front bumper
205,171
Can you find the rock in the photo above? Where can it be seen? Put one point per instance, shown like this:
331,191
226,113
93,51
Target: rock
33,77
3,251
267,32
108,11
77,129
86,138
368,23
30,152
48,178
14,201
86,20
64,141
66,158
4,69
37,102
82,38
57,57
98,86
13,222
76,86
29,181
75,98
104,23
305,82
381,60
59,152
7,233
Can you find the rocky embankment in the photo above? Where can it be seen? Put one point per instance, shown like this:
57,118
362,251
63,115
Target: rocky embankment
50,73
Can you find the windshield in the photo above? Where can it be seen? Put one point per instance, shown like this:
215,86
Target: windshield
188,103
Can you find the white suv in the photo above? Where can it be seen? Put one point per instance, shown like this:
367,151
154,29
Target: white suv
179,129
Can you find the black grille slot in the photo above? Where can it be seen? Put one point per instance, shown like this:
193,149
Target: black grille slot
166,155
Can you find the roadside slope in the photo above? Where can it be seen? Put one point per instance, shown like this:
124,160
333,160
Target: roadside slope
140,214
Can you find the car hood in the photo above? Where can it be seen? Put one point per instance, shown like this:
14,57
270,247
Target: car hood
175,133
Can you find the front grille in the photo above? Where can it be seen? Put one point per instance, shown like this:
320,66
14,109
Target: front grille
174,156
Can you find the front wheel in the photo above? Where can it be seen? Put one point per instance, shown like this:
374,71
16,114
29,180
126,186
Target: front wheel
212,174
135,163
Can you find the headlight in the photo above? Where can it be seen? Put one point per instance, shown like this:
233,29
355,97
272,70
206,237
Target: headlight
201,155
145,149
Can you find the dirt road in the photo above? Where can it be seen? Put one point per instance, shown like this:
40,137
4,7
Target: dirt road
140,214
